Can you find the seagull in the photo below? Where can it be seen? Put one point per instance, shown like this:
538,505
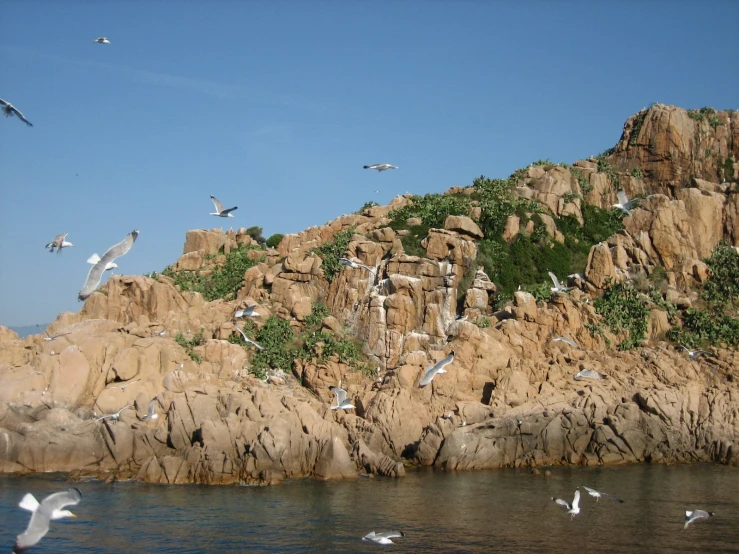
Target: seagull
59,243
247,312
123,387
220,212
48,336
571,342
10,109
588,374
572,509
693,354
116,416
695,515
623,203
96,271
95,259
438,367
383,537
355,265
557,286
248,340
42,514
152,407
160,333
381,167
598,495
342,402
101,40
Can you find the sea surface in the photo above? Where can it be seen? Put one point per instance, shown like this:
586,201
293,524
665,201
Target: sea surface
503,510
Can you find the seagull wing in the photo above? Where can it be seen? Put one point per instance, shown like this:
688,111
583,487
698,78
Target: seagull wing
555,280
43,330
576,500
389,534
340,395
562,503
229,210
622,198
591,492
257,346
22,117
152,407
431,372
217,204
119,249
92,281
612,497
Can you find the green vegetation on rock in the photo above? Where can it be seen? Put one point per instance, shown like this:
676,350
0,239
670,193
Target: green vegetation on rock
275,240
624,309
330,252
190,344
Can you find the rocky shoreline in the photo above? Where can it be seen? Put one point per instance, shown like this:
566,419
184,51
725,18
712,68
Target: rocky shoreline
508,399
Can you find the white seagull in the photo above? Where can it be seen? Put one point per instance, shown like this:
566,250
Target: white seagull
693,354
588,374
557,286
355,265
101,40
50,508
116,416
571,342
152,407
95,259
695,515
381,167
48,336
247,312
342,402
9,109
96,271
623,203
438,367
220,212
248,340
598,495
572,509
59,243
383,537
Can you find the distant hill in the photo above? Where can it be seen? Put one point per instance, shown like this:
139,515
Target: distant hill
26,330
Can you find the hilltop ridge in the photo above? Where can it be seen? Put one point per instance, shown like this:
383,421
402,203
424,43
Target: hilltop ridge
466,270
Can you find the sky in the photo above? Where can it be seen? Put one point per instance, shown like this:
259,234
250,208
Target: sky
276,106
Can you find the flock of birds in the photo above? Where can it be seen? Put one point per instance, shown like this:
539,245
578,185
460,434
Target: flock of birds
53,507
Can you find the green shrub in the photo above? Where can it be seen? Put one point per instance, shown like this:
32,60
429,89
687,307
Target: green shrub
275,240
585,186
706,327
330,252
722,287
190,344
623,309
366,206
433,209
636,173
638,122
277,338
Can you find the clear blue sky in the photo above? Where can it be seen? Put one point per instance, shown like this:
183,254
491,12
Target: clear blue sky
275,106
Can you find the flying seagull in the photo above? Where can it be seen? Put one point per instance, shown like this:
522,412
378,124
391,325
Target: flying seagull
572,509
693,354
248,340
48,336
571,342
695,515
101,40
588,374
623,203
10,109
220,212
247,312
438,367
59,243
116,416
95,259
381,167
598,495
355,265
557,286
342,402
152,407
96,271
383,537
124,387
42,514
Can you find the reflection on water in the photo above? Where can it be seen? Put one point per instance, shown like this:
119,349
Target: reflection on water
483,511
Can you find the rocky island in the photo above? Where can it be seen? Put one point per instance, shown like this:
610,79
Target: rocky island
462,271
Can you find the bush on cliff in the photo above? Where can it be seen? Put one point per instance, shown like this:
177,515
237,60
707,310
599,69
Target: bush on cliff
330,252
624,309
275,240
722,287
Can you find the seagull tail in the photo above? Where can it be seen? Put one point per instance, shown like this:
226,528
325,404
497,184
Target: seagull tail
366,167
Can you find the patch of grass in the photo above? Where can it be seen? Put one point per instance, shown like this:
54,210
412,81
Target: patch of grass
638,123
433,209
636,173
706,327
623,309
330,252
190,344
569,197
483,322
224,281
722,287
275,240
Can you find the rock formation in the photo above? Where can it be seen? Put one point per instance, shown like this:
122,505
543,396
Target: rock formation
509,397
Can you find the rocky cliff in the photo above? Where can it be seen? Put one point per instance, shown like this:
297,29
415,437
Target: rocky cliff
441,276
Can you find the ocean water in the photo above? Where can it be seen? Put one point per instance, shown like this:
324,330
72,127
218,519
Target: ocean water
503,510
